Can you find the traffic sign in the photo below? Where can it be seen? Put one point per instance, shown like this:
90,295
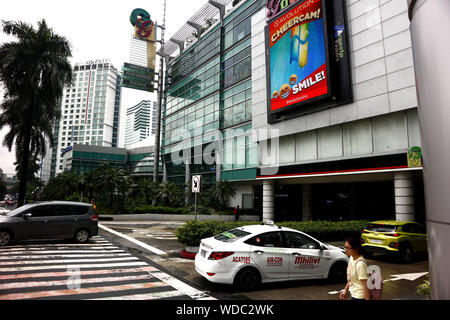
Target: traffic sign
196,184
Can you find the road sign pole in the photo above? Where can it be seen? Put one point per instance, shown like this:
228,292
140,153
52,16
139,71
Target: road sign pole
196,206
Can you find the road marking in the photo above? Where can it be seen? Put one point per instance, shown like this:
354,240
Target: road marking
65,292
406,276
72,266
181,286
15,277
114,278
150,296
67,282
9,263
58,251
139,243
61,256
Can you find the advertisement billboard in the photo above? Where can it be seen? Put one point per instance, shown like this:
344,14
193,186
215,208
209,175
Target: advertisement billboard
298,56
307,59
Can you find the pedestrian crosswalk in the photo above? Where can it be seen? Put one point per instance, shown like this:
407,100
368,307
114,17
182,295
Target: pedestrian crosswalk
97,270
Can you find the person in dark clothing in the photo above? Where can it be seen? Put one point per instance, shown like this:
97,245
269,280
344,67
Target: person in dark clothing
236,213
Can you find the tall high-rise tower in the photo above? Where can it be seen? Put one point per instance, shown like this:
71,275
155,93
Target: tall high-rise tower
89,109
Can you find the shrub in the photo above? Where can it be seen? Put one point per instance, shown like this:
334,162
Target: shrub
192,232
162,210
424,288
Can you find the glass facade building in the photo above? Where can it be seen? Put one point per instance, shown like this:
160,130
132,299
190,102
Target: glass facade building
208,98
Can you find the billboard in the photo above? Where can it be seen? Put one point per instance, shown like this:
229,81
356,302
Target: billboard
307,59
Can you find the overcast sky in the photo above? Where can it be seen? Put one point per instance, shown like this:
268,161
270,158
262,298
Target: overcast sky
96,29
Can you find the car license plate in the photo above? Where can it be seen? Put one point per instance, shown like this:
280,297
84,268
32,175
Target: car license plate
203,253
376,241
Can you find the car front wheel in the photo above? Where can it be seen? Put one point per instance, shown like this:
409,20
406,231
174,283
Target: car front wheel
5,238
81,236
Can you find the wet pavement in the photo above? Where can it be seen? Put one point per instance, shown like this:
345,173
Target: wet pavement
161,235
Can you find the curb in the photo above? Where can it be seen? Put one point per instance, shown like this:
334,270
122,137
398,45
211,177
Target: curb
188,255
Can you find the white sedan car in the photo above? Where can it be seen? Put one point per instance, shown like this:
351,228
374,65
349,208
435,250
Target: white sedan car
250,255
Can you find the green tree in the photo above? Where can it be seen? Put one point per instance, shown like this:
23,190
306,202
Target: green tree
33,70
147,188
221,191
61,186
168,193
111,180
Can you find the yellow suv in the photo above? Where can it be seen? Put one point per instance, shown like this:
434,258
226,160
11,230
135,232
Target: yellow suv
401,238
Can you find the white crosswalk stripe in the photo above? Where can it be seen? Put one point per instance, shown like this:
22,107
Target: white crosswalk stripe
97,270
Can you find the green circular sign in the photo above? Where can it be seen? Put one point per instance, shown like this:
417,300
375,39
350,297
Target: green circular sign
139,12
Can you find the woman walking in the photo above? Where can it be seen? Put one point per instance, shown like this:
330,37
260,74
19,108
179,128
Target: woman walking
357,274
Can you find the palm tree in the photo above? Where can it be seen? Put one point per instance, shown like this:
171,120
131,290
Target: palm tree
223,190
148,188
34,71
111,179
90,184
60,186
168,192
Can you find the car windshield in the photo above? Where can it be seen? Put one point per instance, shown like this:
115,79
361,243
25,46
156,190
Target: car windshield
231,235
18,210
381,227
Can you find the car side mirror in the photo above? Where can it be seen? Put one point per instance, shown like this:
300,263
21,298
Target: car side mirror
321,247
27,216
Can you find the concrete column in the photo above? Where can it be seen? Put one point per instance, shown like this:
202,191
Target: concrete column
164,173
404,196
430,20
307,202
268,200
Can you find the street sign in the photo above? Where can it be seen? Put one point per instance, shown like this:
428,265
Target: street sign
138,77
196,184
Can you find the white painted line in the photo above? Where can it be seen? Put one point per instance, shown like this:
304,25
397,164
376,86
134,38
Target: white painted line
139,243
181,286
147,296
67,282
53,256
9,263
72,266
57,251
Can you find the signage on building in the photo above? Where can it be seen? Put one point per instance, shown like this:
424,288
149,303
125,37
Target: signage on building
274,7
307,59
145,29
415,157
66,150
140,77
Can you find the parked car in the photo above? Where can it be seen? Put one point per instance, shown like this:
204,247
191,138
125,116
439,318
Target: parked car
400,238
250,255
49,220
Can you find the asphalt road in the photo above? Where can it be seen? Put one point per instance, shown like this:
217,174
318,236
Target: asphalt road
161,235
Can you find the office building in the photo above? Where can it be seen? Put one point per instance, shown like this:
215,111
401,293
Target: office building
318,159
140,122
90,110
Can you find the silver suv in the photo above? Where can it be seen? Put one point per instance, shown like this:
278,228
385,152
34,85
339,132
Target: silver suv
49,220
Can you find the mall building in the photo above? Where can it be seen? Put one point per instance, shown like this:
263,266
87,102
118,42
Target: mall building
310,110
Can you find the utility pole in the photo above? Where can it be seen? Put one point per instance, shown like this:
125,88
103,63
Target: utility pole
159,107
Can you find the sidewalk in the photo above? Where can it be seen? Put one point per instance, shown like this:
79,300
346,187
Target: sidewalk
173,217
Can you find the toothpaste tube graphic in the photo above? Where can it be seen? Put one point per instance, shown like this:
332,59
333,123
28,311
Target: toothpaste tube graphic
303,48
